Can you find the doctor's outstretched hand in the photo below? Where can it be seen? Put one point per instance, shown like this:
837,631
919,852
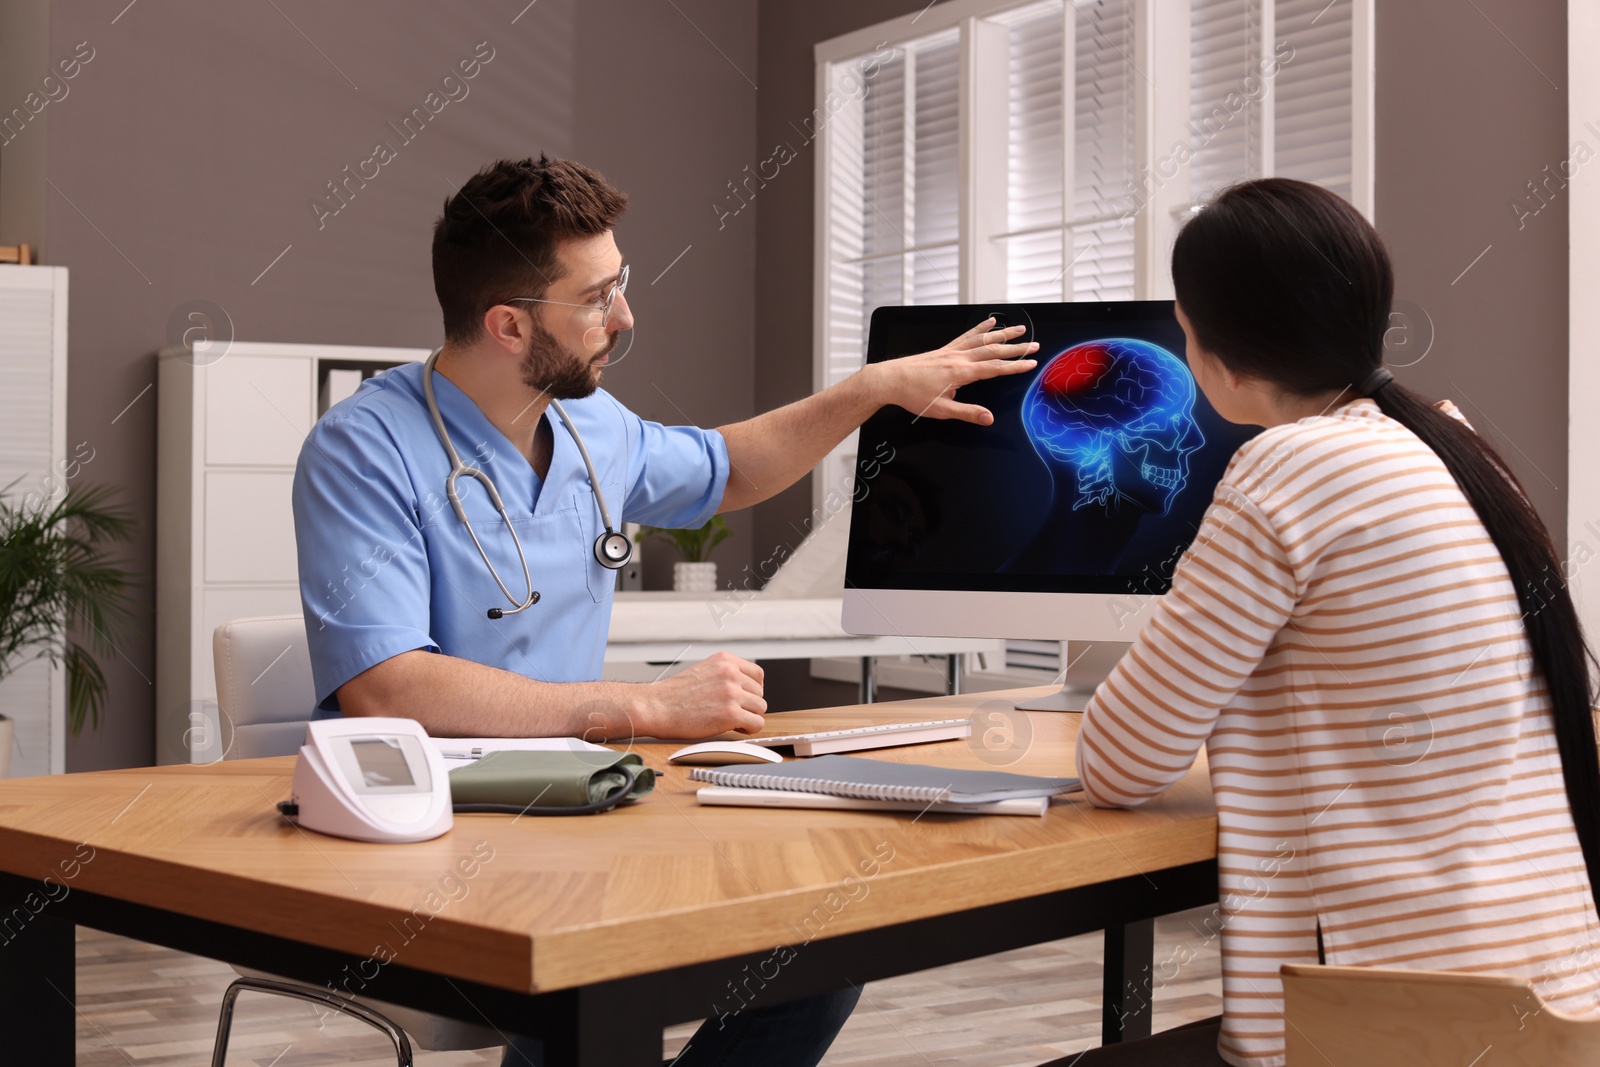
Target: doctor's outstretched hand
777,448
720,693
926,384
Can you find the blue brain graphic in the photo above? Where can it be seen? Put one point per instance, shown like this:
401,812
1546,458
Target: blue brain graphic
1114,396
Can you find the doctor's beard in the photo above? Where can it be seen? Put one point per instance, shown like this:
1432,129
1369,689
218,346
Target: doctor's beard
559,373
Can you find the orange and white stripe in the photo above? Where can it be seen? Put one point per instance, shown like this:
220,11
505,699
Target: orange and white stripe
1344,639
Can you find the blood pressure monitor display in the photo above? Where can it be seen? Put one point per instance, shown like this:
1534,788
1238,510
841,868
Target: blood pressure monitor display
382,762
371,779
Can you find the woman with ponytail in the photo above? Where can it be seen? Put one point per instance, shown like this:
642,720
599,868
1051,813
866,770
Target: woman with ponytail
1371,638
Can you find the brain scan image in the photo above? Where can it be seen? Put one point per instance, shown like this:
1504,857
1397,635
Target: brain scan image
1118,415
1092,478
1113,420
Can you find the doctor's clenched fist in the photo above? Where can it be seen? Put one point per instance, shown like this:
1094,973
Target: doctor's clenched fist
720,693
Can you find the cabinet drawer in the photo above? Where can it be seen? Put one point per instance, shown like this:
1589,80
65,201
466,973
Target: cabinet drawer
250,527
258,410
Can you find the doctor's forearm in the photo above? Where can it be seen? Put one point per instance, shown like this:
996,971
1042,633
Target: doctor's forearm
771,452
453,697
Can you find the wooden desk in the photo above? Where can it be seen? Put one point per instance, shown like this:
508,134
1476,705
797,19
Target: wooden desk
593,932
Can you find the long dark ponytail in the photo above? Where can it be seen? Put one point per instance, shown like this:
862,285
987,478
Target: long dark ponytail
1285,282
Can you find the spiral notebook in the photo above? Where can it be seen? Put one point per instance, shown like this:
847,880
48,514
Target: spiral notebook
870,779
733,797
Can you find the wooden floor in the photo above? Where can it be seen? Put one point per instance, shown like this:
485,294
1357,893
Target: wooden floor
143,1006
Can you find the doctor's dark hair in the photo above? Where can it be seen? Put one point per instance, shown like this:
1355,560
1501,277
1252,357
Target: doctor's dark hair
497,237
1285,282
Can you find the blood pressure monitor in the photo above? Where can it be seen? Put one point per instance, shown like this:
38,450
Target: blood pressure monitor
371,779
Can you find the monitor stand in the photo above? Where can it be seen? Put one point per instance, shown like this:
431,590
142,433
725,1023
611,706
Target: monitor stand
1088,664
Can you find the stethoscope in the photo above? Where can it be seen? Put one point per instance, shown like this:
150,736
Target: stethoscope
611,549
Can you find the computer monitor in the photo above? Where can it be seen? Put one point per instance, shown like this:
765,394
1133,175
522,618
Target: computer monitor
1061,520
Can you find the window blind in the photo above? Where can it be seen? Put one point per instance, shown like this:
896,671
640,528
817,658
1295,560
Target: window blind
936,167
1224,48
894,234
1300,125
34,474
1312,123
1036,157
1077,243
1102,246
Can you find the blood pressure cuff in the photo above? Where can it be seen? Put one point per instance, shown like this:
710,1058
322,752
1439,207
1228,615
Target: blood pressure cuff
536,781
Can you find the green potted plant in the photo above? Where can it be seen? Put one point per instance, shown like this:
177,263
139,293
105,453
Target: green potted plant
56,570
694,573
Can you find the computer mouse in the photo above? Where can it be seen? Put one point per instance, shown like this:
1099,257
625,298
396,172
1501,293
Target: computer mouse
716,753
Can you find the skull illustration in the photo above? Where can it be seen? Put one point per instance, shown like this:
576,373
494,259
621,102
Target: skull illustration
1118,412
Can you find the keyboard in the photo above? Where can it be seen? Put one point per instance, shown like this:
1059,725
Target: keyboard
866,737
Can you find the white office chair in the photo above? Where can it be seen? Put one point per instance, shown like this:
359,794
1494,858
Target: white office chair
266,695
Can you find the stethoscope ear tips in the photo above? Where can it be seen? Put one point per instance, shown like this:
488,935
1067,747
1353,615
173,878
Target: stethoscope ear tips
500,613
613,550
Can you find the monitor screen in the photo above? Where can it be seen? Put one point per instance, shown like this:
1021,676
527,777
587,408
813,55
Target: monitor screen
1092,479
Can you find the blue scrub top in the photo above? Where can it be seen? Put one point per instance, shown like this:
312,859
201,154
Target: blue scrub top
386,567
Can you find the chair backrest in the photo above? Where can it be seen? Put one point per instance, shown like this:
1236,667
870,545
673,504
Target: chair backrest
264,689
1390,1017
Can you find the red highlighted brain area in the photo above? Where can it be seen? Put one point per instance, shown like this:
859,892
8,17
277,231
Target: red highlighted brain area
1076,370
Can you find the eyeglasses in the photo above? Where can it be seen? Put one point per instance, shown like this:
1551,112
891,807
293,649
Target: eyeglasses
603,305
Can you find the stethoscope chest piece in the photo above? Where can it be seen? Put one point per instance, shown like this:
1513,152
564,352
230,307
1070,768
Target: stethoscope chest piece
613,550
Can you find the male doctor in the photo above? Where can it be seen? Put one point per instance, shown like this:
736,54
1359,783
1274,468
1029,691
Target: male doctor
416,610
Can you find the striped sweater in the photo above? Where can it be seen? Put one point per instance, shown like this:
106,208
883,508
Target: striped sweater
1344,639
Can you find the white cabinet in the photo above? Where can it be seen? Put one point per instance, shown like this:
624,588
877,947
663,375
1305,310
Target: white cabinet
34,463
230,430
268,410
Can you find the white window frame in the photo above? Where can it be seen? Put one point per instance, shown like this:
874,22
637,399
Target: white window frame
1161,109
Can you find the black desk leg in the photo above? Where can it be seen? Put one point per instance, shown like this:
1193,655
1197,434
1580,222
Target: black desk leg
606,1030
38,988
1125,999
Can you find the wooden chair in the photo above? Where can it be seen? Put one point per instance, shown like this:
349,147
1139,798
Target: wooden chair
21,254
1387,1017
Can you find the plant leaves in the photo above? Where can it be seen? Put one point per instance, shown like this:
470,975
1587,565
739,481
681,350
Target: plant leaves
57,573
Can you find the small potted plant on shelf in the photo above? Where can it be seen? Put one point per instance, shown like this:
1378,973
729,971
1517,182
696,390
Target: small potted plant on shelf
55,571
694,573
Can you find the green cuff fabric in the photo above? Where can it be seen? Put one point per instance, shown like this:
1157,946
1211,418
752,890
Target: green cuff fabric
548,779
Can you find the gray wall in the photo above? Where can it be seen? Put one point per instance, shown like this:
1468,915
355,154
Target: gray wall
25,61
1467,117
192,144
